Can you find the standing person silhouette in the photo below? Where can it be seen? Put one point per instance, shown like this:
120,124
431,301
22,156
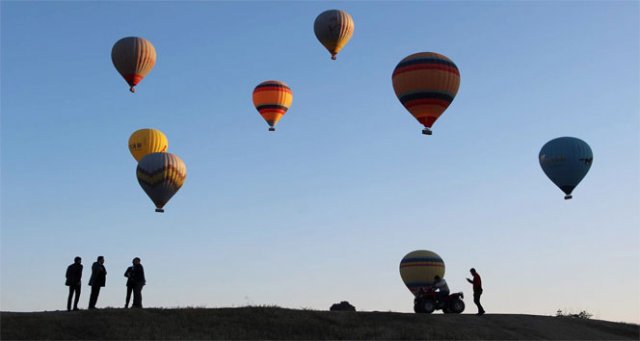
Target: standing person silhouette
98,280
477,290
137,276
130,285
74,277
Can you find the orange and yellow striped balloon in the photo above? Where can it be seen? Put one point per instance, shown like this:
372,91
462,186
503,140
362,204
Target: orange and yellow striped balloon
334,29
272,99
418,268
426,83
133,57
147,141
161,175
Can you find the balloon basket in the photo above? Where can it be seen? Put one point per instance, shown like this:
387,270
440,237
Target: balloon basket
567,197
159,210
272,129
427,131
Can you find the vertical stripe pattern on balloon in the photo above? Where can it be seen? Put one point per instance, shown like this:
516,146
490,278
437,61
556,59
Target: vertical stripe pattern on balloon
334,29
133,57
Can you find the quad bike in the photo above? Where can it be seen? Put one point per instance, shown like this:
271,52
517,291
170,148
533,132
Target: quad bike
426,301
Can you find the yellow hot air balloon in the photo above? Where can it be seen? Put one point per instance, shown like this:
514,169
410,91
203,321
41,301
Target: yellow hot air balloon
272,99
333,28
426,83
147,141
133,57
161,175
418,268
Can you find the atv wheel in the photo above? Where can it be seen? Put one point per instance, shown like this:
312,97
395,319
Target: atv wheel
457,306
428,306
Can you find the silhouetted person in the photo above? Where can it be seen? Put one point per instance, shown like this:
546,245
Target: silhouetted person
477,290
130,285
137,276
98,280
442,288
74,277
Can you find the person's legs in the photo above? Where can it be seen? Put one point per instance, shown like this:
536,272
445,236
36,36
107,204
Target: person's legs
443,297
137,296
75,302
129,290
71,289
476,300
95,291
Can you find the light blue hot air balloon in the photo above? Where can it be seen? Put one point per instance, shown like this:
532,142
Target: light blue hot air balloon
566,160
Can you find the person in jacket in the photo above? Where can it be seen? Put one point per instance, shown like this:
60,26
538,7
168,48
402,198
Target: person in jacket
477,290
98,280
74,277
130,285
441,288
138,279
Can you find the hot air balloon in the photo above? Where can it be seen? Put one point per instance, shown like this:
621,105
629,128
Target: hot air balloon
426,83
418,268
161,175
272,99
333,28
133,57
147,141
566,160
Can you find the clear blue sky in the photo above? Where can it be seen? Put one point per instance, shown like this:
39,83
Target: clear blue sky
323,209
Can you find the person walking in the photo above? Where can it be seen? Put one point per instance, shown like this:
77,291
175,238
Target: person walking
98,280
137,276
130,285
477,290
74,277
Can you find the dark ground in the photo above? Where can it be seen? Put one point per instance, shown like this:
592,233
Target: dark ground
265,323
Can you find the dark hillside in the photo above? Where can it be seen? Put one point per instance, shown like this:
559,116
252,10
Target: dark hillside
262,323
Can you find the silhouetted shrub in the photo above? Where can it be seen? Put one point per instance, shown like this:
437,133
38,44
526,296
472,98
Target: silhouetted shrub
342,306
583,315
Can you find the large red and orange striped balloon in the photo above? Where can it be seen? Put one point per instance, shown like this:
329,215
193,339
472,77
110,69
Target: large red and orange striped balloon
334,29
426,83
133,57
272,99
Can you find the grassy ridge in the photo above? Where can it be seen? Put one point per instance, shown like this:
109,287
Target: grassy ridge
260,323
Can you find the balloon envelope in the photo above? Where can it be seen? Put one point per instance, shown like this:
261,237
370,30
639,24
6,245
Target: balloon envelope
161,175
272,99
133,57
566,161
334,29
418,268
426,83
147,141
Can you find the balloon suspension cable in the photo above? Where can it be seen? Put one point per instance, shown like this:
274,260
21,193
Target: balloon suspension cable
132,89
272,129
427,131
333,57
159,210
568,196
